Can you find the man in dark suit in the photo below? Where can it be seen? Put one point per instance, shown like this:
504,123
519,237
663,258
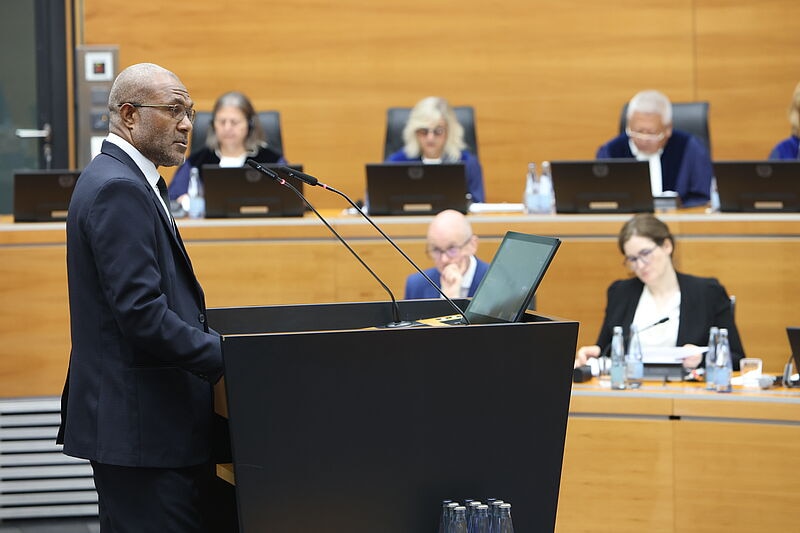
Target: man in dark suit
452,246
138,398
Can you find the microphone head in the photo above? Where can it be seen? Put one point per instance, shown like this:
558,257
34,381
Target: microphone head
302,176
264,170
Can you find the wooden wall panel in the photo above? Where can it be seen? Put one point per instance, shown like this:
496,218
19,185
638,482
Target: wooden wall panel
547,77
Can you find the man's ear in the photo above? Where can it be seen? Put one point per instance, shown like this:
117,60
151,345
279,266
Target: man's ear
127,115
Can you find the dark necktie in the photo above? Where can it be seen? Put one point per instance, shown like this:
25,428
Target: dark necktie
162,189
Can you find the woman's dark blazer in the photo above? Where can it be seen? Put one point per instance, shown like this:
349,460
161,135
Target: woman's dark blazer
704,303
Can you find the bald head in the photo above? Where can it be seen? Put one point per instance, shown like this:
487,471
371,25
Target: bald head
449,225
134,84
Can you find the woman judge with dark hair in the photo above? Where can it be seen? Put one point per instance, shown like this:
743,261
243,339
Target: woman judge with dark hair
691,304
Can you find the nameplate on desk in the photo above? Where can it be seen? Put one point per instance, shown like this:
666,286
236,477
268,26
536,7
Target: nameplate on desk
254,209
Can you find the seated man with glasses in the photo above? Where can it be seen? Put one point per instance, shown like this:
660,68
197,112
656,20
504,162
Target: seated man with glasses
452,246
670,308
678,161
434,135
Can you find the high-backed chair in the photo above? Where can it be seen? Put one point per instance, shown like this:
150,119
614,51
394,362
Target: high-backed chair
691,117
270,123
396,118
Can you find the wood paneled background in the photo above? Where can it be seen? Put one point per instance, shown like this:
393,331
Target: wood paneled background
547,77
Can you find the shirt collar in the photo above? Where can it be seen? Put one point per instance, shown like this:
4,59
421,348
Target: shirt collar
147,167
469,275
639,155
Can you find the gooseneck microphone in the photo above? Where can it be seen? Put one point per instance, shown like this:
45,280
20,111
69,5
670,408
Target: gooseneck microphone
605,351
311,180
396,322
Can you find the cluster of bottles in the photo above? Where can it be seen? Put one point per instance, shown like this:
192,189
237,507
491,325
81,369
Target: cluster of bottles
539,196
197,202
719,365
494,516
627,370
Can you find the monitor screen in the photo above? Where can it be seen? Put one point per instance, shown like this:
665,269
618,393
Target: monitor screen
416,188
513,276
602,186
233,192
758,186
43,195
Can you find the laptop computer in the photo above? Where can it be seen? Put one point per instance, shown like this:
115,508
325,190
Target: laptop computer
43,195
233,192
510,283
416,188
602,186
758,186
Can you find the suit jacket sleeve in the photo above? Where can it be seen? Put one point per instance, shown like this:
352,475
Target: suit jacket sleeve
129,250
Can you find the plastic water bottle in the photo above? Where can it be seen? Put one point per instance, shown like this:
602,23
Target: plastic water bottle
724,367
618,359
711,358
197,203
530,197
635,362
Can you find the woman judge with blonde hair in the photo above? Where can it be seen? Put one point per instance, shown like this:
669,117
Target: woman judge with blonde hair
433,135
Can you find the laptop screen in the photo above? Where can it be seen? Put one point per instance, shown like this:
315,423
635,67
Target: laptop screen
415,188
43,195
602,186
514,275
758,186
233,192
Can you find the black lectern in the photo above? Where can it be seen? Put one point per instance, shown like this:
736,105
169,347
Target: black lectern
340,426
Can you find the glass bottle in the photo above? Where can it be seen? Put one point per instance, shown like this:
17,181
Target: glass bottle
504,523
711,359
458,523
635,361
530,197
724,367
444,519
547,198
479,521
618,359
197,203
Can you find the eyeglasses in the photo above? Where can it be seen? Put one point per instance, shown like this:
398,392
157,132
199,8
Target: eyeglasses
644,136
437,132
178,111
451,252
631,261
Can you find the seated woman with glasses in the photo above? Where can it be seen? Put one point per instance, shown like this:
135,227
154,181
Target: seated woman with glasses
690,304
452,247
678,161
233,135
434,135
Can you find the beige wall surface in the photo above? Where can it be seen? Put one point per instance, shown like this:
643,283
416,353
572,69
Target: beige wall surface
547,77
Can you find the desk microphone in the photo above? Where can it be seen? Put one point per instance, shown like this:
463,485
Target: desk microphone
311,180
396,322
604,353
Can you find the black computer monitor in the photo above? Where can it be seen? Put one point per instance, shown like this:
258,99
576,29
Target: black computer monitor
416,188
758,186
236,192
43,195
602,186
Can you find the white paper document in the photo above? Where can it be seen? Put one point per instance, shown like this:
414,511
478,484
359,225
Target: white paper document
669,355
